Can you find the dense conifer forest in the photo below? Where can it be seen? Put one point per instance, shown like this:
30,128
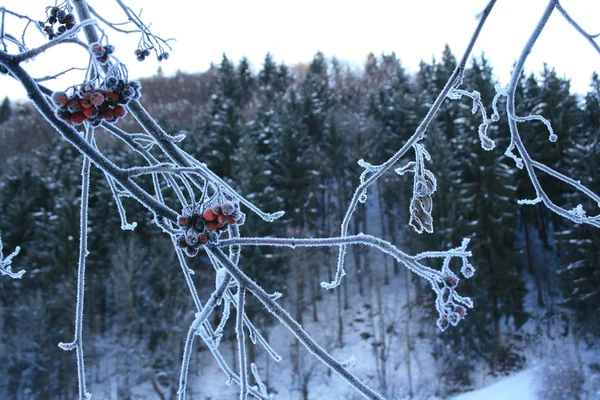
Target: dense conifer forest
289,137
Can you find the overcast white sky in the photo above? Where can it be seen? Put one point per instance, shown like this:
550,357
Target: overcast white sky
294,31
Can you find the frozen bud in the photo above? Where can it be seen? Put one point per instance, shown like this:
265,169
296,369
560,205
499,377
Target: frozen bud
487,143
443,323
53,11
165,55
69,20
461,311
451,281
97,49
453,318
61,29
467,270
146,52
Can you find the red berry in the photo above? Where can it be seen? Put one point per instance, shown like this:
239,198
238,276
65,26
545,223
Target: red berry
78,118
60,98
97,97
73,105
91,112
85,101
108,114
222,218
119,111
231,221
202,238
209,215
190,251
212,225
184,221
112,96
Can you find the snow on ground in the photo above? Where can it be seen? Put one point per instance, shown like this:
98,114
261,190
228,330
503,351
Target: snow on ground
519,386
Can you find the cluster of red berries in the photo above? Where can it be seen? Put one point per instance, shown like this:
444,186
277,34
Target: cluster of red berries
101,52
141,54
96,105
205,228
57,15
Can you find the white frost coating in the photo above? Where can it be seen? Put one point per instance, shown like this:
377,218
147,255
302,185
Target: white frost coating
486,143
5,263
349,362
185,174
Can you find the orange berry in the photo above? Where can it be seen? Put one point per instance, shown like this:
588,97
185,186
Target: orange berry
209,215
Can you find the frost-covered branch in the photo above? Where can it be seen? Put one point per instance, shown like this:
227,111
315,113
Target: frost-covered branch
373,173
589,37
77,342
5,263
577,215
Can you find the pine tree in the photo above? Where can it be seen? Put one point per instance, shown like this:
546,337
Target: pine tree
484,186
580,262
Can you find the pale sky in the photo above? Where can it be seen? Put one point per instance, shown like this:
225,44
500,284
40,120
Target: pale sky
294,31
